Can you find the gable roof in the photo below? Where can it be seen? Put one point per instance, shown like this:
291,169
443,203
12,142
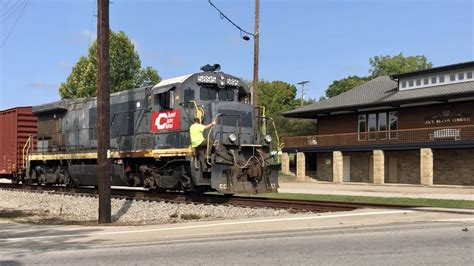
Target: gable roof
381,91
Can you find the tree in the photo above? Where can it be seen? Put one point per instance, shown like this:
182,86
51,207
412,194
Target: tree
381,66
149,76
125,70
339,86
388,65
278,97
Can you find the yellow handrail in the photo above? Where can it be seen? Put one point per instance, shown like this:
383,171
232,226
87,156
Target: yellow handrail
26,149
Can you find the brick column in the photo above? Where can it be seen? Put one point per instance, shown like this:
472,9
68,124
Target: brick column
300,166
285,163
426,167
379,167
337,167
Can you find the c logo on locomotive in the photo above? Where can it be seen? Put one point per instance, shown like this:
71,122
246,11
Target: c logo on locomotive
167,120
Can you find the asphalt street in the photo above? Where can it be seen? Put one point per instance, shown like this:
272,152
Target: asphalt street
416,245
363,237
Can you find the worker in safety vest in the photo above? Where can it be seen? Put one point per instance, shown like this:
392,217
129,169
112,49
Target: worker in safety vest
196,132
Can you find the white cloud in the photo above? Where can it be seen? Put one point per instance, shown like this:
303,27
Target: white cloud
82,36
175,61
39,84
63,65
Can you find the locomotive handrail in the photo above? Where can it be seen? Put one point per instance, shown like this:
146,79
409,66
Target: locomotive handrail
279,145
26,149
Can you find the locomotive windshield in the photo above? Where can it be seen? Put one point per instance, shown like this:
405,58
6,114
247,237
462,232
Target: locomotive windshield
214,93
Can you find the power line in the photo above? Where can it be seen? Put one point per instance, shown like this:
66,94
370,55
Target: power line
13,27
11,9
7,17
223,16
92,21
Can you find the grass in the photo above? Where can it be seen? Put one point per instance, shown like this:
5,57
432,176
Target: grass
443,203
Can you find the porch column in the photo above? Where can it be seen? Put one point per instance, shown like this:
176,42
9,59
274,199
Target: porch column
285,163
337,167
300,166
426,167
379,167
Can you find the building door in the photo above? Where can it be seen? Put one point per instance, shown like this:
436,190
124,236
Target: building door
392,170
346,168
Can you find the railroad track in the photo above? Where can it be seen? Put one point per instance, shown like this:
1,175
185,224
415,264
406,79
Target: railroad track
244,201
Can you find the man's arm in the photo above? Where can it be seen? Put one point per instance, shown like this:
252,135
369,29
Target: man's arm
210,125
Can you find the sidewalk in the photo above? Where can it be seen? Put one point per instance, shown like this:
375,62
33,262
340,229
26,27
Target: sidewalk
371,190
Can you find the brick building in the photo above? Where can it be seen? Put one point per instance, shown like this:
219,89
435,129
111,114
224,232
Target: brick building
410,128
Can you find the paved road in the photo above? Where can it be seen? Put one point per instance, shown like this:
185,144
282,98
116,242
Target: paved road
422,244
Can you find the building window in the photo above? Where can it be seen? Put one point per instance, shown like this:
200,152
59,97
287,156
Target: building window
393,124
441,79
452,77
382,125
461,76
410,83
433,80
426,81
362,127
376,126
418,82
404,84
372,126
469,74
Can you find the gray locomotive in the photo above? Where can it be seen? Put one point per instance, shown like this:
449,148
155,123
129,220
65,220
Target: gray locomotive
150,143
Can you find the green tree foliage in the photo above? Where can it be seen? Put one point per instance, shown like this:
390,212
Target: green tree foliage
381,66
391,65
149,76
278,97
339,86
125,70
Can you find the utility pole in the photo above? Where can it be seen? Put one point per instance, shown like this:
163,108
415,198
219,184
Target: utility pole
302,90
255,54
103,110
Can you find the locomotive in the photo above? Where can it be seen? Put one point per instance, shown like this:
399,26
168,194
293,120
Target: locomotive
150,140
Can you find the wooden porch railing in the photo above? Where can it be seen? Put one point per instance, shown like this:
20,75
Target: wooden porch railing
403,136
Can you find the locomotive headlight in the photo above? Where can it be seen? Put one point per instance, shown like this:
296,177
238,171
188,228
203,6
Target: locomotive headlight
232,137
268,138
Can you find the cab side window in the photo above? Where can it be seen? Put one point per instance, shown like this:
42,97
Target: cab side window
164,100
188,95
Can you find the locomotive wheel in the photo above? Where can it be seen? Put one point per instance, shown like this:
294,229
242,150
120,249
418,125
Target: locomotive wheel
149,182
70,182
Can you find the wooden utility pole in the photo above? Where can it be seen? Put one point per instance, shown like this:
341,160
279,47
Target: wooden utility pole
103,110
255,54
302,90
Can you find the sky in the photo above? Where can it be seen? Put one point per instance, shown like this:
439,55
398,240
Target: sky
316,40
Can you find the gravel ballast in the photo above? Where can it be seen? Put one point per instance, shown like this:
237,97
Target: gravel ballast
49,208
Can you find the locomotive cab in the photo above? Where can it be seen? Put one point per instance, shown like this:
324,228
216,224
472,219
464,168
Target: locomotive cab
236,156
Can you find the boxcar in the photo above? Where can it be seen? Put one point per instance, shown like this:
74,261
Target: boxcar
16,126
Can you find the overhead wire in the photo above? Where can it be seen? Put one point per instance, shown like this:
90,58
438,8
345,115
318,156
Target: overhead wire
223,16
9,11
14,24
92,21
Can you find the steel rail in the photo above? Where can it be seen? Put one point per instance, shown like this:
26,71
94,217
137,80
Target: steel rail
178,197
